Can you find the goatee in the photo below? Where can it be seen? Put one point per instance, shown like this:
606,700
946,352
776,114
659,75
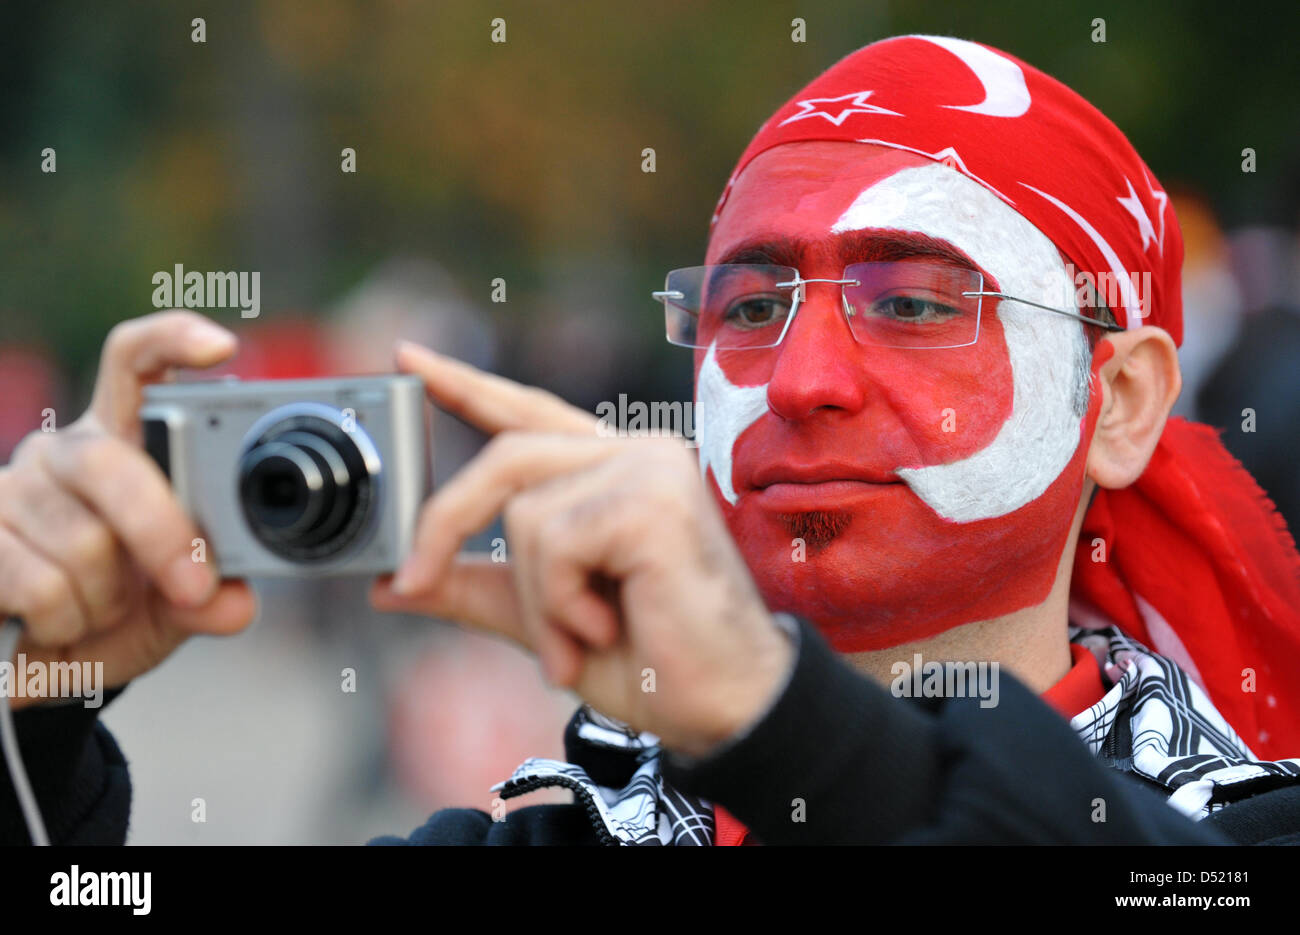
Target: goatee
817,528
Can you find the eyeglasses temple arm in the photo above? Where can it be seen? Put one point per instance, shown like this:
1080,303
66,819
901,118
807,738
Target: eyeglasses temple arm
1047,308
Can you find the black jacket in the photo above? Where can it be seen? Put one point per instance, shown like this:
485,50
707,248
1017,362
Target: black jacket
866,768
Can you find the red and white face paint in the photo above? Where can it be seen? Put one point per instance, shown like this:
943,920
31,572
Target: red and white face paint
929,488
909,530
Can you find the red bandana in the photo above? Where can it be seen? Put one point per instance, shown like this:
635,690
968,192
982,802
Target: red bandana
1197,563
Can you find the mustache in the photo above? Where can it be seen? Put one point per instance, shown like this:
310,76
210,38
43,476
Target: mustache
817,528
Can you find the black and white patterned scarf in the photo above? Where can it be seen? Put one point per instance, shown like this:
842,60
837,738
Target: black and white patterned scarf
1153,721
645,811
1156,722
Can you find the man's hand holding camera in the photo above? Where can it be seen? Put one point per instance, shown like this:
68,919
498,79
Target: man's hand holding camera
622,577
96,555
619,563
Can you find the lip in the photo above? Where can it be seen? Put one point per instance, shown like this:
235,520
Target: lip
796,497
815,475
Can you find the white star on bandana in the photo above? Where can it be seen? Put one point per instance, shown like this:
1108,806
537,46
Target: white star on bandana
858,105
1134,207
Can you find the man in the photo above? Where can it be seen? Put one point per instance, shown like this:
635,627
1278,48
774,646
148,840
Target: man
924,440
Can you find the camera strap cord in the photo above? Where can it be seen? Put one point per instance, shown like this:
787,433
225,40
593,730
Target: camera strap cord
10,631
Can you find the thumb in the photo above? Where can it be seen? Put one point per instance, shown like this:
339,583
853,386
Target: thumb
143,350
231,609
476,592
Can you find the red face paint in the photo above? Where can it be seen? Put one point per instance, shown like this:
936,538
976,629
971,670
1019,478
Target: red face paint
878,566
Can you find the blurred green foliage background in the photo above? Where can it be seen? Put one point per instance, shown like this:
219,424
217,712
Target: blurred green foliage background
523,159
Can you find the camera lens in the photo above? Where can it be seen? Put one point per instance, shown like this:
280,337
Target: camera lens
305,488
283,487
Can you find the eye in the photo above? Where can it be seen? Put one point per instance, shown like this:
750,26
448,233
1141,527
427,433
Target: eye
757,311
910,308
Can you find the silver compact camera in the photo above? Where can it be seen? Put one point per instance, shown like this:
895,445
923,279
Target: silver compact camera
295,477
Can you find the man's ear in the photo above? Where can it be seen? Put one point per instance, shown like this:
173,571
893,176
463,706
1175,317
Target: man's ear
1139,383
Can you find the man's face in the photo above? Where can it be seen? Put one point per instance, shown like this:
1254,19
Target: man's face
889,494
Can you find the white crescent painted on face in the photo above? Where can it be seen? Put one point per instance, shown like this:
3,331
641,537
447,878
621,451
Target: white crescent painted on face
722,411
1005,94
1048,353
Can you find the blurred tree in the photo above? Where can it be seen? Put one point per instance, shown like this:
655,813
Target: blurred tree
519,159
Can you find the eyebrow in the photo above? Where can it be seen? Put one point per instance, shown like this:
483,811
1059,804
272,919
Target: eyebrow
849,247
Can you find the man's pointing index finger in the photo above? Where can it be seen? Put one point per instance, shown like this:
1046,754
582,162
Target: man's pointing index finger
489,402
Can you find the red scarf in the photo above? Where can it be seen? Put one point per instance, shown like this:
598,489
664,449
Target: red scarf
1201,568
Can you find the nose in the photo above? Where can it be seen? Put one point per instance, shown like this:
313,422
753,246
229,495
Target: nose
817,367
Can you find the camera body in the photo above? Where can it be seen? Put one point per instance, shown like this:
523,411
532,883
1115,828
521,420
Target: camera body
295,477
